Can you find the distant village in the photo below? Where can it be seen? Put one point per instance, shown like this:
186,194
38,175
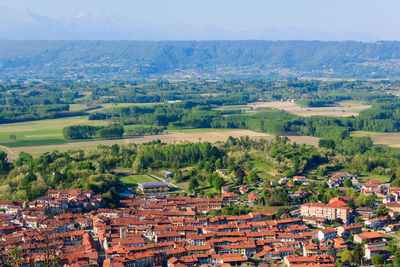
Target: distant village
154,228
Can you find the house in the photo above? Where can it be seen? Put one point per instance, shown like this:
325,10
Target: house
376,222
346,231
252,198
392,197
300,179
370,252
366,213
325,234
395,206
392,227
315,221
314,249
153,187
299,194
316,260
229,197
335,209
371,187
392,189
368,237
336,180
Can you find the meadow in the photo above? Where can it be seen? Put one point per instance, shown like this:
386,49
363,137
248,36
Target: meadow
264,170
40,133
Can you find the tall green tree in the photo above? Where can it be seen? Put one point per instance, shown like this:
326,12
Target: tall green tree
358,254
332,251
346,256
377,260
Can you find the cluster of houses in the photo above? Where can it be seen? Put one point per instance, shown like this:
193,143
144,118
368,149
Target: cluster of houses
336,180
157,229
162,230
72,199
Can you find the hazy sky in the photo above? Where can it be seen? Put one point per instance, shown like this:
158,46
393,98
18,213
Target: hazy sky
376,17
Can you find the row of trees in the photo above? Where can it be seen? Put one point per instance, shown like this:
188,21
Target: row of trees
78,132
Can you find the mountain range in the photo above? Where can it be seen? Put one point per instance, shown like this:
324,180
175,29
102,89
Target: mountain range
23,24
198,59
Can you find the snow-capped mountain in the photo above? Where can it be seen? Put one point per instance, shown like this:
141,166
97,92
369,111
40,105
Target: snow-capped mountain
23,24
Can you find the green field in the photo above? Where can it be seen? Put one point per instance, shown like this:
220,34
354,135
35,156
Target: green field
264,170
77,107
133,180
183,185
49,132
364,178
40,133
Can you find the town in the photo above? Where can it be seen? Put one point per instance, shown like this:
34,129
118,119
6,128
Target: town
153,228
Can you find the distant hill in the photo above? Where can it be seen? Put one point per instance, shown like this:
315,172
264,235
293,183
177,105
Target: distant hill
198,59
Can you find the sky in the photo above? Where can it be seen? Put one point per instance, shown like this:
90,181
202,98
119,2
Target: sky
375,17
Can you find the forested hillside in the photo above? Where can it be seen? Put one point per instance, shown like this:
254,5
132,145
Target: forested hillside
205,59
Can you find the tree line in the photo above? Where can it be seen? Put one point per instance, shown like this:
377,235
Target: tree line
77,132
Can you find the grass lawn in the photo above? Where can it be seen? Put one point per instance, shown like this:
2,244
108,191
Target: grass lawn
184,186
363,178
133,180
264,170
208,190
366,177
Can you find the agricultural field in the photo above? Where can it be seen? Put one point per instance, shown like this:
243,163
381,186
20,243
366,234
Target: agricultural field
202,130
40,133
34,145
389,139
342,109
174,137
